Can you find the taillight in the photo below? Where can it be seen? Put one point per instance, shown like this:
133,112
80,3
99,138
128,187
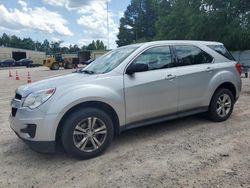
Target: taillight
238,67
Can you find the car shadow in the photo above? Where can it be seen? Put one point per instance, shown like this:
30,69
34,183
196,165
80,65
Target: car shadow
125,139
163,128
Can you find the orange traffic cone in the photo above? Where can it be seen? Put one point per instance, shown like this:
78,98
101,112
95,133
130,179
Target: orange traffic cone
17,77
10,75
29,78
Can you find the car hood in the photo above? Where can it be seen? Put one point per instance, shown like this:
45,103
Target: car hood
55,82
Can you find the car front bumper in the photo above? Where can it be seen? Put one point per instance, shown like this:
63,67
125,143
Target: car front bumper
34,127
39,146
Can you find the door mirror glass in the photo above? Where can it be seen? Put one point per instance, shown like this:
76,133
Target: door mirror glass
139,67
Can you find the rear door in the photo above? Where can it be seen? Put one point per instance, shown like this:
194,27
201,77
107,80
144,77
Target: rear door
194,72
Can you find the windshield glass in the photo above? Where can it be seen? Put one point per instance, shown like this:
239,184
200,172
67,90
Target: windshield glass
223,51
110,60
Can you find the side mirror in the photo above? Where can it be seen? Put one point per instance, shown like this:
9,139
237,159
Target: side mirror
139,67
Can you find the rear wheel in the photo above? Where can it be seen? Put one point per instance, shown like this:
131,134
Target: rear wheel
221,105
55,66
68,65
87,133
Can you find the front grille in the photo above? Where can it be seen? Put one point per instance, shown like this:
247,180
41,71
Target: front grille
18,96
13,111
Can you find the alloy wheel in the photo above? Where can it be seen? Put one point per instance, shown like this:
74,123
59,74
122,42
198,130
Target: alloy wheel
89,134
223,105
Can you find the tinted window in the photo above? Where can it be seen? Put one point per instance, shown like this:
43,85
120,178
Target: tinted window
191,55
222,50
156,58
110,60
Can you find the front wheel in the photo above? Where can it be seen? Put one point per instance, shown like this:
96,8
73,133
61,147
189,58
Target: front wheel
87,133
221,105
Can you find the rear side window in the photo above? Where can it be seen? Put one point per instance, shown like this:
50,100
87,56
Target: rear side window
191,55
222,50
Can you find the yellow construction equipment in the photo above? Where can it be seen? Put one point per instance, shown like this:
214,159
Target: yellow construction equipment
54,62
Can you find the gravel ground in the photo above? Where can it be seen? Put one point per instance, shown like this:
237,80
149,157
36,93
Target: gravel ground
189,152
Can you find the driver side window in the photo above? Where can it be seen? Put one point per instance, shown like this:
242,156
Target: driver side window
156,58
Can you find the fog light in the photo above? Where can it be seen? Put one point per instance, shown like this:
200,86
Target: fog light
30,130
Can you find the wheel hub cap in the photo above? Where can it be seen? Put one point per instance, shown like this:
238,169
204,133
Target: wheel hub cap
90,133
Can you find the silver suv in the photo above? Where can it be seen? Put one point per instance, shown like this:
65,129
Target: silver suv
128,87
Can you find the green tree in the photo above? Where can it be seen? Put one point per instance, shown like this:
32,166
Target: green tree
64,50
15,41
183,20
83,48
28,43
38,46
138,22
46,46
5,40
74,49
91,46
216,20
100,45
229,22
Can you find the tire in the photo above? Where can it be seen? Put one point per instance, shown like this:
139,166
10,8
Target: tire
221,100
55,66
81,146
68,65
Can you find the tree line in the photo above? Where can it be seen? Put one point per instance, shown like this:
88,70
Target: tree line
50,47
226,21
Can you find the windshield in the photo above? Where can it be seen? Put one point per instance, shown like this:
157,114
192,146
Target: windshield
109,61
222,50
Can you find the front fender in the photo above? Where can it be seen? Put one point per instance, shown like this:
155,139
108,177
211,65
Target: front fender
65,99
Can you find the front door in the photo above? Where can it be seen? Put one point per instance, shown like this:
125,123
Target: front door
152,93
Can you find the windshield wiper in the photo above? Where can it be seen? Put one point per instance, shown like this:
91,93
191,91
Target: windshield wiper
87,71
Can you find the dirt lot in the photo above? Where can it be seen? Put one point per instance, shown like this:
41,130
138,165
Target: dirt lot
190,152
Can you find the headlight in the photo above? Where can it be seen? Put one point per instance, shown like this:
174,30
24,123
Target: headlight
35,99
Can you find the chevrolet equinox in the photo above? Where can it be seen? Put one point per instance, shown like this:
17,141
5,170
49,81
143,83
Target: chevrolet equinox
128,87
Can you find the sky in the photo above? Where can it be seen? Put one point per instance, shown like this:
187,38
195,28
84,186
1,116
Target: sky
71,21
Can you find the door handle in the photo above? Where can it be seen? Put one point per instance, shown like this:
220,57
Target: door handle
170,77
209,69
